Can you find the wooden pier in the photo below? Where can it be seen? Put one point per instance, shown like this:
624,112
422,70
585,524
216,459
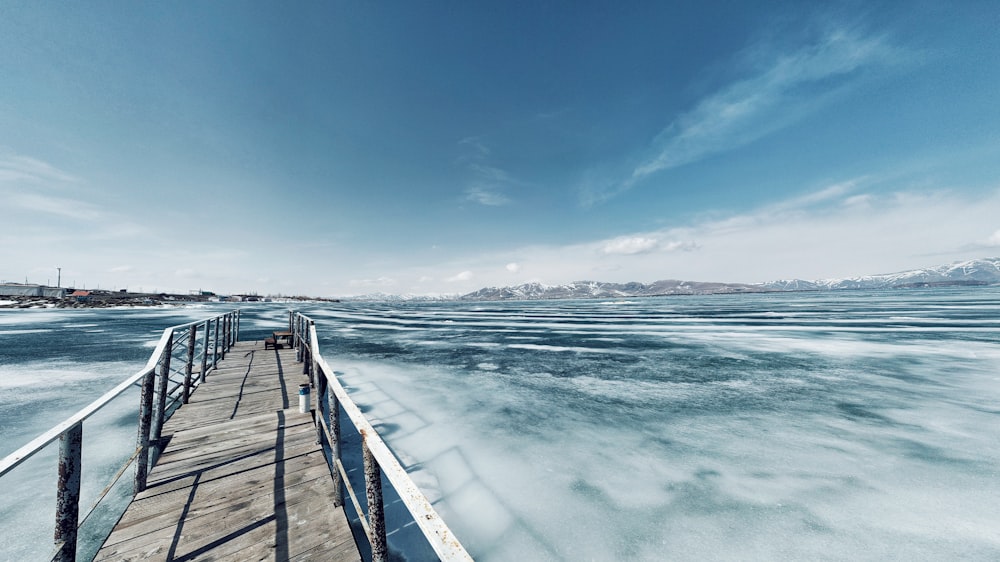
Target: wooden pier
242,476
238,473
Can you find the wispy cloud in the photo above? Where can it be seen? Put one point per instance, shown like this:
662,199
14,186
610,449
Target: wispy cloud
834,193
489,184
477,148
383,281
785,88
61,206
26,184
486,196
18,168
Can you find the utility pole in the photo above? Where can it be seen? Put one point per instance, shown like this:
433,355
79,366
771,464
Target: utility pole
59,279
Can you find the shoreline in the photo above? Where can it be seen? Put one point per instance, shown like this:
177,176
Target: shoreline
33,302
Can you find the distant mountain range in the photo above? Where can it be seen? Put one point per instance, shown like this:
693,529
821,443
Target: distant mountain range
972,272
599,289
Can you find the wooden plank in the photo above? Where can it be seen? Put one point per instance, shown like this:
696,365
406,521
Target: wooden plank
241,478
238,525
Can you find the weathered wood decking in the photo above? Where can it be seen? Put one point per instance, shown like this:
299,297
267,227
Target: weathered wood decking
242,477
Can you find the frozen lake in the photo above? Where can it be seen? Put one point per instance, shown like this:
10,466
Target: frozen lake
848,425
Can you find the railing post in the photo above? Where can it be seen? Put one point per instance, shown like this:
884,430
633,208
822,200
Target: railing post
236,336
295,336
161,391
215,345
68,492
376,512
225,335
204,353
192,335
334,413
145,420
313,367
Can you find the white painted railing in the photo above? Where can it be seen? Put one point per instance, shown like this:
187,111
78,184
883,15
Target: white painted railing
378,460
195,347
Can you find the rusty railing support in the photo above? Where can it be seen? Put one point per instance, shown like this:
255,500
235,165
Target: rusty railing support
161,390
142,440
68,492
376,511
334,416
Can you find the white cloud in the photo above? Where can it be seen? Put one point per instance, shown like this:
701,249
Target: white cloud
785,89
463,276
629,245
799,237
858,200
121,269
632,245
513,267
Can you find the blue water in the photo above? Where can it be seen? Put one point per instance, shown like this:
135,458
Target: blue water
842,426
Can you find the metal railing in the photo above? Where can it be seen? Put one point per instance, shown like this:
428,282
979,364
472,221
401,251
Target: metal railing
377,459
166,382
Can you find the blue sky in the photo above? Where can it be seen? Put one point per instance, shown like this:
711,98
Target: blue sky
338,148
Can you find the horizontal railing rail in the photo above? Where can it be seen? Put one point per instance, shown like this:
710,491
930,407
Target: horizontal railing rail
377,458
157,401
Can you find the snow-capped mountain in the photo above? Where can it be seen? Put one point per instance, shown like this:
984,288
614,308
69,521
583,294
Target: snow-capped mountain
598,289
972,272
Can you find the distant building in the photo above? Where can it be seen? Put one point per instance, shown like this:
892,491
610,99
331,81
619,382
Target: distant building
19,290
80,296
